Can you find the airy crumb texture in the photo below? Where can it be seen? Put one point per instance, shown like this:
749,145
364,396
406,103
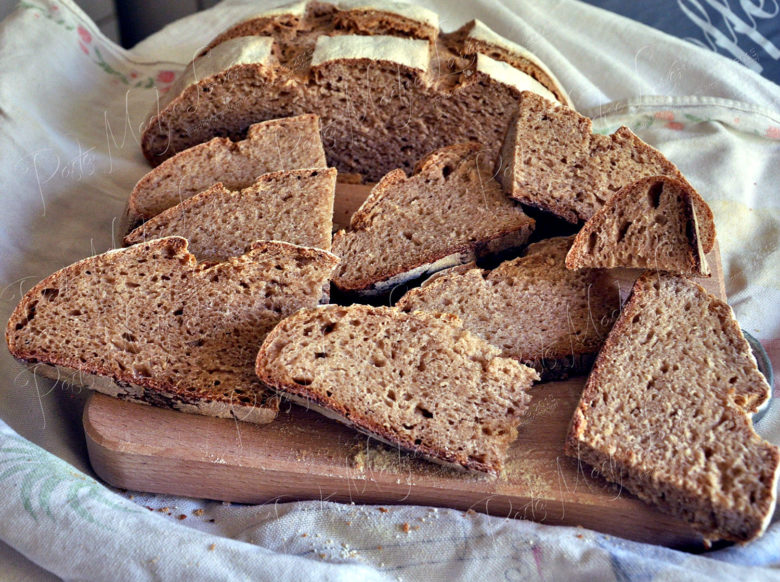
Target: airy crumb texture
295,206
664,412
381,108
271,146
418,381
551,160
451,205
187,334
650,224
531,307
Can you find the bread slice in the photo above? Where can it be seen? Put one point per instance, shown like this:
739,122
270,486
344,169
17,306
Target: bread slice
279,144
417,381
294,206
532,307
649,224
388,85
149,324
664,412
552,161
448,212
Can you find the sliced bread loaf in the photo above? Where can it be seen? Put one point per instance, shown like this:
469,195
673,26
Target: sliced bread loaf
448,212
649,224
532,307
417,381
271,146
664,412
149,324
552,161
388,86
295,206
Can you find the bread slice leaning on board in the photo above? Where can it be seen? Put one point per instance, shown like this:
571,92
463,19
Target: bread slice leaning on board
449,211
532,307
386,97
270,146
551,160
649,224
151,325
417,381
295,206
665,411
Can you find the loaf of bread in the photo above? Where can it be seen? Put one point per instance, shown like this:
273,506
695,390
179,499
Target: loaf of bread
387,84
294,206
532,307
270,146
665,411
552,161
448,212
416,381
149,324
649,224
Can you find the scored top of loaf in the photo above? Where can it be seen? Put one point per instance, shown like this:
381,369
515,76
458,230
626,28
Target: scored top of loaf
410,11
409,52
508,75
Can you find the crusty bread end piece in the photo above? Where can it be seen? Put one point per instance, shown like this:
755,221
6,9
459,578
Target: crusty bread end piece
665,411
532,307
148,323
449,211
552,161
294,206
649,224
417,381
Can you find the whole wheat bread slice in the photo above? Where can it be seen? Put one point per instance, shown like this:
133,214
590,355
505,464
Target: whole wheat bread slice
149,324
417,381
294,206
649,224
271,146
552,161
388,86
448,212
664,412
532,307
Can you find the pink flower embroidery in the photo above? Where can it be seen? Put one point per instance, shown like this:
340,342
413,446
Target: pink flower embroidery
773,132
675,125
83,48
665,115
165,76
736,121
134,74
84,35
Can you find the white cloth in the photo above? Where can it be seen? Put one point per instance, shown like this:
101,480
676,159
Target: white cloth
71,106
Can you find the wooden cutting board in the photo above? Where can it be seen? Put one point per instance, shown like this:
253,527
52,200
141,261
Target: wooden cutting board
303,455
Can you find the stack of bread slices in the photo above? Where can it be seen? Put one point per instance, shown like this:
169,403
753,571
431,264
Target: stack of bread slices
215,306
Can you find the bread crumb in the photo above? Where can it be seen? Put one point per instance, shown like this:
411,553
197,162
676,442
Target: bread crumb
198,512
383,509
303,535
470,511
405,527
379,547
212,547
212,520
182,516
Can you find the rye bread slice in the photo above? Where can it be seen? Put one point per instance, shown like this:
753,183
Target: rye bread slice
270,146
416,381
386,90
294,206
551,160
450,211
532,308
149,324
649,224
665,411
